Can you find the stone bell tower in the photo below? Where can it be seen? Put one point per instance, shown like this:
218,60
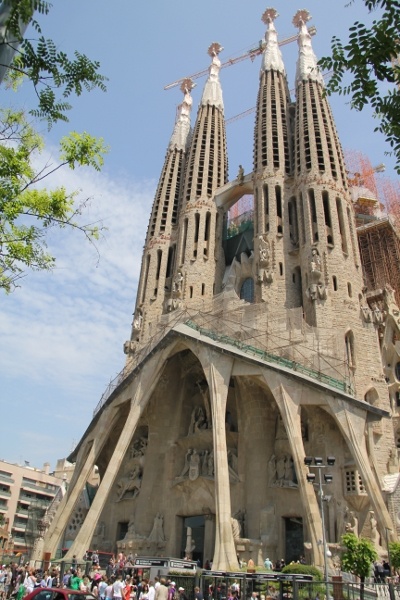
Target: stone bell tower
199,224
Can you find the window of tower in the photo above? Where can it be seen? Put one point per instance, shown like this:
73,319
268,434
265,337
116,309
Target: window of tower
190,291
298,292
397,398
293,223
317,129
196,233
398,438
302,220
342,229
349,289
349,218
397,371
170,261
247,290
350,351
280,269
203,289
184,240
266,206
327,216
146,276
334,282
159,257
207,233
279,220
313,212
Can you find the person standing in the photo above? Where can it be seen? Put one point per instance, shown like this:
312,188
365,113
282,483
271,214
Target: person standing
118,587
162,590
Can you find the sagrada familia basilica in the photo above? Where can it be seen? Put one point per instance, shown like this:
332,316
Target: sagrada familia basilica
251,349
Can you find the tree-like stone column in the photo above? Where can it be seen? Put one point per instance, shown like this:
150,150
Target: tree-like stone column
144,384
218,372
352,424
83,469
290,412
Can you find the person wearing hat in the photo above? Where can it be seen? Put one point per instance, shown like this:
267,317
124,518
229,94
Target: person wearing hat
182,595
172,590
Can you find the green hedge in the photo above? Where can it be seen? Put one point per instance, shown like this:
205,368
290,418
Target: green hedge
298,568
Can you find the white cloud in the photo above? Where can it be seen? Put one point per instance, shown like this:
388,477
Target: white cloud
62,332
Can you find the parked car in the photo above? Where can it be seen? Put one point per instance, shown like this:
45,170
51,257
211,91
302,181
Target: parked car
58,594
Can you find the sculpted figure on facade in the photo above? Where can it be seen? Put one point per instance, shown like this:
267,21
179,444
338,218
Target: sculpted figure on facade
316,289
352,524
281,472
186,466
233,465
264,261
128,486
178,283
157,533
137,321
240,175
198,420
194,465
138,448
375,537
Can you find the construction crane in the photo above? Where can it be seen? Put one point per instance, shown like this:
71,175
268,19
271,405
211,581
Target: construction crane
252,53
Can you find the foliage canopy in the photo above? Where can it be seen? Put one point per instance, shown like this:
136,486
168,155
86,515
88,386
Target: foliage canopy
359,555
371,58
27,209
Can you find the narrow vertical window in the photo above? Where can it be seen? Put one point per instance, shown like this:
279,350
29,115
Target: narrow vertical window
196,233
327,216
334,282
278,198
184,240
350,351
146,276
293,223
207,234
342,228
170,261
313,213
266,206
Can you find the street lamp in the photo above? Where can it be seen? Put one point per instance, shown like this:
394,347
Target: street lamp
318,464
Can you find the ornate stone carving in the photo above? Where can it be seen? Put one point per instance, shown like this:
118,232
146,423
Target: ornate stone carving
201,463
317,288
352,523
198,420
130,347
265,274
281,472
128,486
157,533
138,448
177,284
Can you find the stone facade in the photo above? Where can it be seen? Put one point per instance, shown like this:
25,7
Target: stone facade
240,366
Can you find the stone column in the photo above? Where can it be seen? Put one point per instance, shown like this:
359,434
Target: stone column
290,412
83,469
218,372
145,383
352,424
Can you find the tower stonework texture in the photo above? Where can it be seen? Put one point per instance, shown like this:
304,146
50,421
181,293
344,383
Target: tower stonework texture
254,344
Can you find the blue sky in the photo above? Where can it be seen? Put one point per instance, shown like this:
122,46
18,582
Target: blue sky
62,333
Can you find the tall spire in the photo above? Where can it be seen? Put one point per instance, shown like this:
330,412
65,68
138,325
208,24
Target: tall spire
159,250
272,56
182,126
212,93
307,67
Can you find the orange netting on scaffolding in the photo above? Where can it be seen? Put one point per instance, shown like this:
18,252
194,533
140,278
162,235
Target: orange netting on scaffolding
364,175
